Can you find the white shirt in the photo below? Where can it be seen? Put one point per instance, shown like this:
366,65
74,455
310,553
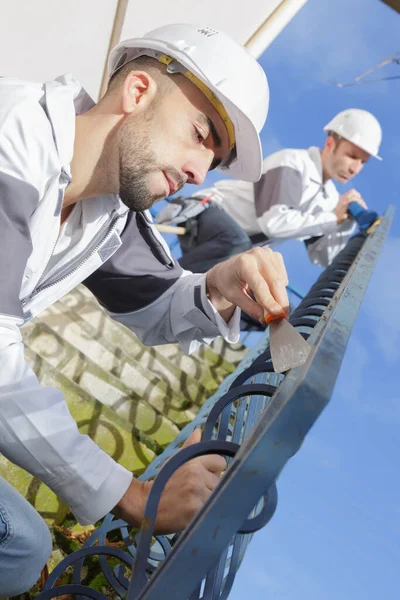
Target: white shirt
103,243
290,201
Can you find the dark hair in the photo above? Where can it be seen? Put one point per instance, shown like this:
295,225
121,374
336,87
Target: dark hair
334,135
338,139
143,63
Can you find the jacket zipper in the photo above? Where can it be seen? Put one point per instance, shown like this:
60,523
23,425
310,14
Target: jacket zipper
69,269
57,212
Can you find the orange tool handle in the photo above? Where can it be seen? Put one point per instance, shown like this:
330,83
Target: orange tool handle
206,199
269,318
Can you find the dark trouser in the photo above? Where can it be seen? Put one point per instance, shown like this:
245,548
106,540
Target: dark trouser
216,237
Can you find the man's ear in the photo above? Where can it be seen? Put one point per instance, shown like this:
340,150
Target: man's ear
138,91
330,143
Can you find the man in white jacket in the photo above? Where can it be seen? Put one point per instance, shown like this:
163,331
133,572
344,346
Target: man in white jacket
295,198
75,182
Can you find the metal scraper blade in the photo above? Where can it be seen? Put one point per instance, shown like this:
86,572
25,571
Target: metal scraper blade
288,348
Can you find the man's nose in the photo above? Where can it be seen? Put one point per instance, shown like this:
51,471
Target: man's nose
196,167
356,166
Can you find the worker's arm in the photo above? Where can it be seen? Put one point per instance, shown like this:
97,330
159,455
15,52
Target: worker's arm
324,249
142,287
184,495
281,216
37,431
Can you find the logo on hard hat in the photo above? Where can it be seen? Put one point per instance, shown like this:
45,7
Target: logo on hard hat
207,31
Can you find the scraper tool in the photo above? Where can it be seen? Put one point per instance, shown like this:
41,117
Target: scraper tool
288,348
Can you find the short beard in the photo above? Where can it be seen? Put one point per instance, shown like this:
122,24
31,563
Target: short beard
136,160
133,189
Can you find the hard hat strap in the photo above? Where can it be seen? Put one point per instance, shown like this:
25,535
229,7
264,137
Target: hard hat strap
166,60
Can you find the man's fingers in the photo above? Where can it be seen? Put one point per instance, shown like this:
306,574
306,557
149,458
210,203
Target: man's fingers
356,198
279,282
211,481
263,273
362,203
260,274
281,267
273,270
351,196
278,289
213,463
264,297
247,304
193,438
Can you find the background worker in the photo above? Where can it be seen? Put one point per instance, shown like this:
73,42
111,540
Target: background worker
296,198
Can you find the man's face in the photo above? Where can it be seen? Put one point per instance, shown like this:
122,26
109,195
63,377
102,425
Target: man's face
344,160
177,140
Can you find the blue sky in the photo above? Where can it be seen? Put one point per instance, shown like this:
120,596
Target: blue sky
336,532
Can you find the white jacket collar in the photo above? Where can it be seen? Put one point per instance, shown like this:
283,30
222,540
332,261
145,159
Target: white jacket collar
315,154
65,98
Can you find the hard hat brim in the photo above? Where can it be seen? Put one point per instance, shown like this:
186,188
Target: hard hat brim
248,163
377,156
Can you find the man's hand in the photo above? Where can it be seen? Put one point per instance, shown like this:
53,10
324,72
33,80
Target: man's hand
259,272
341,210
183,496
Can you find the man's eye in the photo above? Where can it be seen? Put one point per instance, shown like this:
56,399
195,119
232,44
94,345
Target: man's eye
198,135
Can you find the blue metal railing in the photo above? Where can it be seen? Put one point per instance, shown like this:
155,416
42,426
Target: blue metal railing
259,426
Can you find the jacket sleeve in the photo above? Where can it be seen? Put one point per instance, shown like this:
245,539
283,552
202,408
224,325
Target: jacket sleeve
324,249
37,431
280,216
143,287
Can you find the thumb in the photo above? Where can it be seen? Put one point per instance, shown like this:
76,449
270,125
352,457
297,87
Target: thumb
194,438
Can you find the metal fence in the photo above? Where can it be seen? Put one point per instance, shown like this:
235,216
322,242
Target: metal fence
258,420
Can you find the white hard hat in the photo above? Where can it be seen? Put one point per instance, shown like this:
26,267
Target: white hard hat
359,127
225,71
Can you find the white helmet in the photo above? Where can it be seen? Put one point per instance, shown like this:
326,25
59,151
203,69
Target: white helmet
358,127
225,71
